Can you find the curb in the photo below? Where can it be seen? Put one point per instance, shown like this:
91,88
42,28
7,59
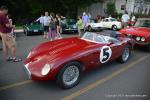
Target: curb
19,31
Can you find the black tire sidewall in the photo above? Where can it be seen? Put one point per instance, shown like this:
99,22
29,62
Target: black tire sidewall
113,27
59,78
121,57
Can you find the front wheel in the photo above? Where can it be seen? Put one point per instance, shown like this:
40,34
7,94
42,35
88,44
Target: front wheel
148,48
69,75
125,55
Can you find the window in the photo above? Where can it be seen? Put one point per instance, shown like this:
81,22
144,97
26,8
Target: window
122,7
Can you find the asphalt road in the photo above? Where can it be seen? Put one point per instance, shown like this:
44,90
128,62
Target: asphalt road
112,81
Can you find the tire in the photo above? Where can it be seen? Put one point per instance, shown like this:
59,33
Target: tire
114,27
148,48
62,83
124,57
89,28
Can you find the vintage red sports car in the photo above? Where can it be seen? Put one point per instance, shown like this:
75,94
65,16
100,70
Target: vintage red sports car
140,32
64,60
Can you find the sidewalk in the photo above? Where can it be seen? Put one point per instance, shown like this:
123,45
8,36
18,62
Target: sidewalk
19,31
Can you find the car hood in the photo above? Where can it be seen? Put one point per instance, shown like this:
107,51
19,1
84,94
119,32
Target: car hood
137,31
34,26
59,49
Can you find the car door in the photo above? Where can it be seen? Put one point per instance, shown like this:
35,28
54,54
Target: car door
116,46
107,23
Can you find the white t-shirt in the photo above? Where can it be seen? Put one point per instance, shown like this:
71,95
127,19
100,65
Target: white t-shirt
46,20
133,18
41,19
125,18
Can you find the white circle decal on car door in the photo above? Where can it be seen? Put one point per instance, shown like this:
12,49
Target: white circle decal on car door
105,54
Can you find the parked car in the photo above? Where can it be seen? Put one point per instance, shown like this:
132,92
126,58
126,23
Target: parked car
33,28
108,23
140,32
111,23
69,25
65,59
94,26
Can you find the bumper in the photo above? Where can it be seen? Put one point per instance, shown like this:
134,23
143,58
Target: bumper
27,71
142,43
70,30
36,31
36,75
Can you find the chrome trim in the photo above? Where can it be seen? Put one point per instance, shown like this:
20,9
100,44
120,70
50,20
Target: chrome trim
27,70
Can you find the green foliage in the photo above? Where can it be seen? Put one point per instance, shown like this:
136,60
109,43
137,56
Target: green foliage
111,9
22,9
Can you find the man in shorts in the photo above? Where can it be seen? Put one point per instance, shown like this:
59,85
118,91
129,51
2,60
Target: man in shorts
8,41
46,22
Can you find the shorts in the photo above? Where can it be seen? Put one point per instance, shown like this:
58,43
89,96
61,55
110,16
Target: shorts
46,29
8,41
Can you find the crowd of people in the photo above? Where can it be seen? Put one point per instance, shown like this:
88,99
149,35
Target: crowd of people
51,24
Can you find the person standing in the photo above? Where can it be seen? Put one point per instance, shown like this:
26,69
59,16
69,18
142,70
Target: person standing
79,25
46,22
9,43
125,19
58,26
41,19
84,20
133,20
52,27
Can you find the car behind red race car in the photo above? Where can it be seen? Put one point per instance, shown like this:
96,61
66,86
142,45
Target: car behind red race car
65,60
140,32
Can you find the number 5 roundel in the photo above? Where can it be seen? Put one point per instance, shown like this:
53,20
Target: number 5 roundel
105,54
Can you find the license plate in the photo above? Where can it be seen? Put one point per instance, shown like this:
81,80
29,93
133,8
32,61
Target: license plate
35,30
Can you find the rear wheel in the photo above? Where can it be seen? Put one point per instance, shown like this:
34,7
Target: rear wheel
69,75
89,28
114,27
125,55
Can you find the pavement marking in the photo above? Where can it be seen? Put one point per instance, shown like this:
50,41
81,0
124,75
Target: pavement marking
15,85
103,80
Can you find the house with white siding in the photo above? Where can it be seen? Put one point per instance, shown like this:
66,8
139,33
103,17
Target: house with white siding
131,6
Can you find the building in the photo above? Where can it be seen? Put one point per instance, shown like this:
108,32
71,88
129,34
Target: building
132,6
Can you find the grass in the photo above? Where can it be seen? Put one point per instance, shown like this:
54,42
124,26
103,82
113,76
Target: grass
18,27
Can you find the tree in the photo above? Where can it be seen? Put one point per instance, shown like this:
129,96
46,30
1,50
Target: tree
32,8
111,9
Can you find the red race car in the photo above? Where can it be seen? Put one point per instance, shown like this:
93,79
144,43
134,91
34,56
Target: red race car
64,60
140,32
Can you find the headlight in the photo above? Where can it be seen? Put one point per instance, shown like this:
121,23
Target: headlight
142,39
46,69
138,38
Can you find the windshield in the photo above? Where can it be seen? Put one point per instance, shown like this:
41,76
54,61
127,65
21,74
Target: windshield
97,38
113,19
69,21
143,23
